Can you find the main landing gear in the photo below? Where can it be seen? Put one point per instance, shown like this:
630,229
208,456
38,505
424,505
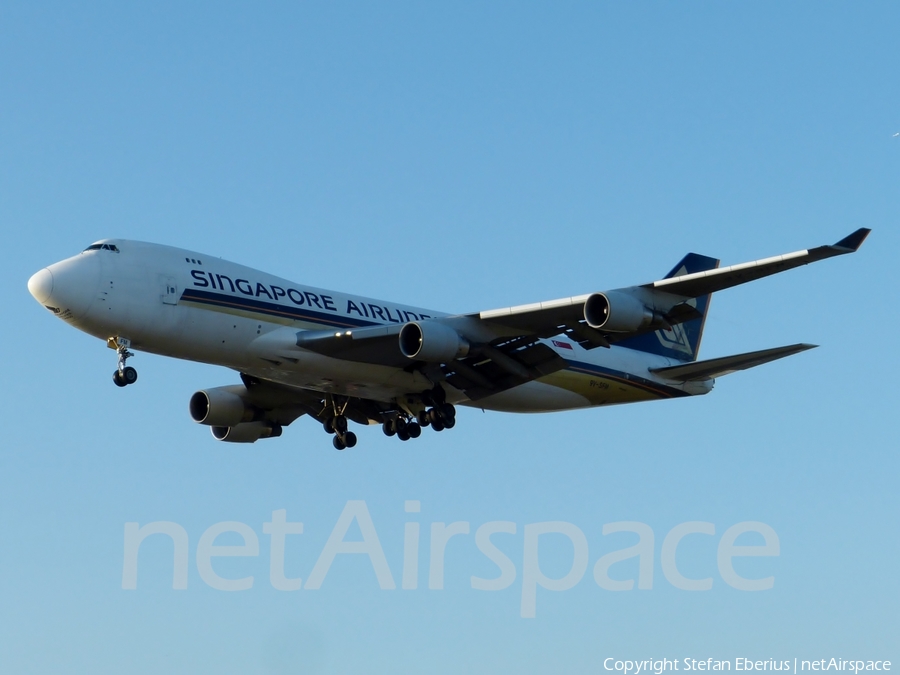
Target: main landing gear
123,375
439,415
342,438
402,428
337,425
402,423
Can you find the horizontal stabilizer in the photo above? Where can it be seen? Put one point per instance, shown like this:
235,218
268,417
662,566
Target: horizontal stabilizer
706,370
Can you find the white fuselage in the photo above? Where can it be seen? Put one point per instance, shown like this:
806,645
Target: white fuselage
187,305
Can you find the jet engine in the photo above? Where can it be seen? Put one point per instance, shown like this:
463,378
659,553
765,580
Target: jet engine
246,432
221,407
431,341
616,312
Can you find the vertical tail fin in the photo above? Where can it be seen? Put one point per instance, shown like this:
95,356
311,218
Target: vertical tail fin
683,341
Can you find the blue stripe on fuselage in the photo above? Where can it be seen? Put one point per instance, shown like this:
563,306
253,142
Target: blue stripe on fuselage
272,309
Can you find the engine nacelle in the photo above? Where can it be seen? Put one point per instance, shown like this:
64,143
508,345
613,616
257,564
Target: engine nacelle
431,341
617,312
248,432
221,407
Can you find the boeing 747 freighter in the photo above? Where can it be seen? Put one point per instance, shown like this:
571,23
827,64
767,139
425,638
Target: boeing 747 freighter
343,358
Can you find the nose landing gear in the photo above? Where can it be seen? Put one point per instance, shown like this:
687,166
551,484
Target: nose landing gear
123,375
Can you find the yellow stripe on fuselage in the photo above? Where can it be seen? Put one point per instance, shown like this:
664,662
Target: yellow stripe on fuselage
603,389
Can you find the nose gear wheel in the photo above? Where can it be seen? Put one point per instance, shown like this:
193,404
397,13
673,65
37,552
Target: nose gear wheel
123,375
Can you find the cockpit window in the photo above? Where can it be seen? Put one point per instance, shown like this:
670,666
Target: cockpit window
92,247
102,247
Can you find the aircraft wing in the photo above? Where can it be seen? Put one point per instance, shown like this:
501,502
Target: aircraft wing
670,297
490,365
373,344
281,403
701,283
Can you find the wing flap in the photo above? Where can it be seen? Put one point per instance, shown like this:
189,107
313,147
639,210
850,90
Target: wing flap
499,368
712,368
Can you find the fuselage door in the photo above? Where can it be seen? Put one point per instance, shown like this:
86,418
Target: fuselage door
169,290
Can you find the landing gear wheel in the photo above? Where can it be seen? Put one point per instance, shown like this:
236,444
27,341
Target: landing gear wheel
349,439
388,428
447,412
437,425
338,443
413,430
403,434
123,375
450,423
339,423
422,418
328,426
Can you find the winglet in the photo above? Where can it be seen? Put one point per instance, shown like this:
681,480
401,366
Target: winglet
852,242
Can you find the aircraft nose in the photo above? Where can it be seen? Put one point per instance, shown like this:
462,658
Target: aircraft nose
67,288
40,285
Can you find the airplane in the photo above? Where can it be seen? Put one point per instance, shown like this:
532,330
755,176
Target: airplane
341,358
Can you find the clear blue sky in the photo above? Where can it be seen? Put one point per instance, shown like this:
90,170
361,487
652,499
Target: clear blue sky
461,157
